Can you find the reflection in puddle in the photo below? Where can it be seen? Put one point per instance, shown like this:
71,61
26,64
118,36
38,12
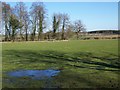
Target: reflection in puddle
34,74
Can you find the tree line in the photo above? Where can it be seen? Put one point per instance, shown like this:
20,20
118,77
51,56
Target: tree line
19,22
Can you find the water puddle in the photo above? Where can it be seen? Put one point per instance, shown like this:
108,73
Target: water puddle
34,74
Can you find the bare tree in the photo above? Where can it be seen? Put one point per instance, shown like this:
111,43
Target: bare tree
65,21
78,27
14,24
6,16
20,9
33,17
35,20
39,12
56,24
69,31
41,18
26,24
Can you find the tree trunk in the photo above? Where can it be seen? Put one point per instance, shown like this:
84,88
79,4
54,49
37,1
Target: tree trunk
26,34
6,34
77,36
63,30
13,35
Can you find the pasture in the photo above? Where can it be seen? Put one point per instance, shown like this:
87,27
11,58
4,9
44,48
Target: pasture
82,63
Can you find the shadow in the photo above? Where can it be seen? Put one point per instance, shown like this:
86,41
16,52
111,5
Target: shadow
60,58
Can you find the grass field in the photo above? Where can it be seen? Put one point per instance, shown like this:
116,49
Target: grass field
83,63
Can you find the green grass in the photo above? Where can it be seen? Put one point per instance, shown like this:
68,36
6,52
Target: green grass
85,63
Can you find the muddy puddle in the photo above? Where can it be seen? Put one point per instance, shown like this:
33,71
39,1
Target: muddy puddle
35,74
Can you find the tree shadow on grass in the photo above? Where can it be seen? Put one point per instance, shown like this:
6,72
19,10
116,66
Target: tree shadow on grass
60,58
82,60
